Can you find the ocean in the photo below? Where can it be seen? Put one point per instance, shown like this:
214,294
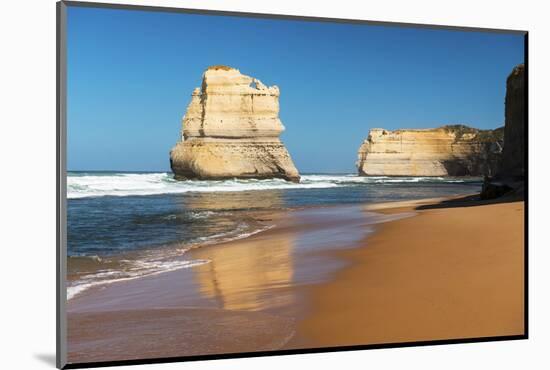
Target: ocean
124,225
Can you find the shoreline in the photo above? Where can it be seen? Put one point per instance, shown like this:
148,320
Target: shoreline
266,220
261,280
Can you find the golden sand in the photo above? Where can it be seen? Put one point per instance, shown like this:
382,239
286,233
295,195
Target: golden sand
446,273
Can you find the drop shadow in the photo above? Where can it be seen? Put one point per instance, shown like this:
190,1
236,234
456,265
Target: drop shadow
46,358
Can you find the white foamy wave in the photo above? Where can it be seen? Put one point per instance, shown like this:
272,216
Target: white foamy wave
156,261
82,185
234,235
140,269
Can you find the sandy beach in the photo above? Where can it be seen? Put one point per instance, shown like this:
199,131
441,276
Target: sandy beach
447,273
319,277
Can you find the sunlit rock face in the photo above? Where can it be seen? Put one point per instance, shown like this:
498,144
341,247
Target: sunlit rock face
455,150
231,130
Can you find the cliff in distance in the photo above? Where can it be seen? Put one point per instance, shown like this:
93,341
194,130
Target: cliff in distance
231,130
455,150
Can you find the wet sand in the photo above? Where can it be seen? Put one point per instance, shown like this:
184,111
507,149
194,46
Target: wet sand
319,277
249,297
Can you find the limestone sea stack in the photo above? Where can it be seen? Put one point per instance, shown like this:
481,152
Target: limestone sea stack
453,150
231,130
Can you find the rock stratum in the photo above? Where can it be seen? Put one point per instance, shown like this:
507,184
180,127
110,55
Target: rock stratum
231,130
454,150
510,179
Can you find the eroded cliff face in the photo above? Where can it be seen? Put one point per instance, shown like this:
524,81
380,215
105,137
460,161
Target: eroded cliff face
231,130
455,150
513,161
510,179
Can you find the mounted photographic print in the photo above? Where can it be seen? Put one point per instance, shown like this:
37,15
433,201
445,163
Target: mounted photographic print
235,185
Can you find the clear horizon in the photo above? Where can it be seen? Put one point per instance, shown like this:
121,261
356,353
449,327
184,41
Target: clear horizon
131,74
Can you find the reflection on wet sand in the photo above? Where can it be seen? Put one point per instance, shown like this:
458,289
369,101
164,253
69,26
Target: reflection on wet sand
248,297
247,275
243,275
257,273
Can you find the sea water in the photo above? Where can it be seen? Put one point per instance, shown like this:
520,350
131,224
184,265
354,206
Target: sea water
124,226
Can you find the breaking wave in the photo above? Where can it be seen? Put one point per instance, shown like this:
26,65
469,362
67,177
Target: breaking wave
82,185
96,271
137,270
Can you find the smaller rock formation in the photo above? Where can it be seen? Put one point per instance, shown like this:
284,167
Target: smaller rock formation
231,130
511,176
455,150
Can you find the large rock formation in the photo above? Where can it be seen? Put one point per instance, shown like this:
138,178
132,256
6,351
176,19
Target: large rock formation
513,161
455,150
511,175
231,130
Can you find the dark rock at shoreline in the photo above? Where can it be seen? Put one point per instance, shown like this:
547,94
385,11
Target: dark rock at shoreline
493,189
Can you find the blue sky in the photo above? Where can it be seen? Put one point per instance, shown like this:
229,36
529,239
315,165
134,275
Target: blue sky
131,73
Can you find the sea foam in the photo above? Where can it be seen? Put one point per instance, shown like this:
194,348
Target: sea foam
140,269
82,185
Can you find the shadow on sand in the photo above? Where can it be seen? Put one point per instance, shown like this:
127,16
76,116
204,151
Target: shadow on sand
471,201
